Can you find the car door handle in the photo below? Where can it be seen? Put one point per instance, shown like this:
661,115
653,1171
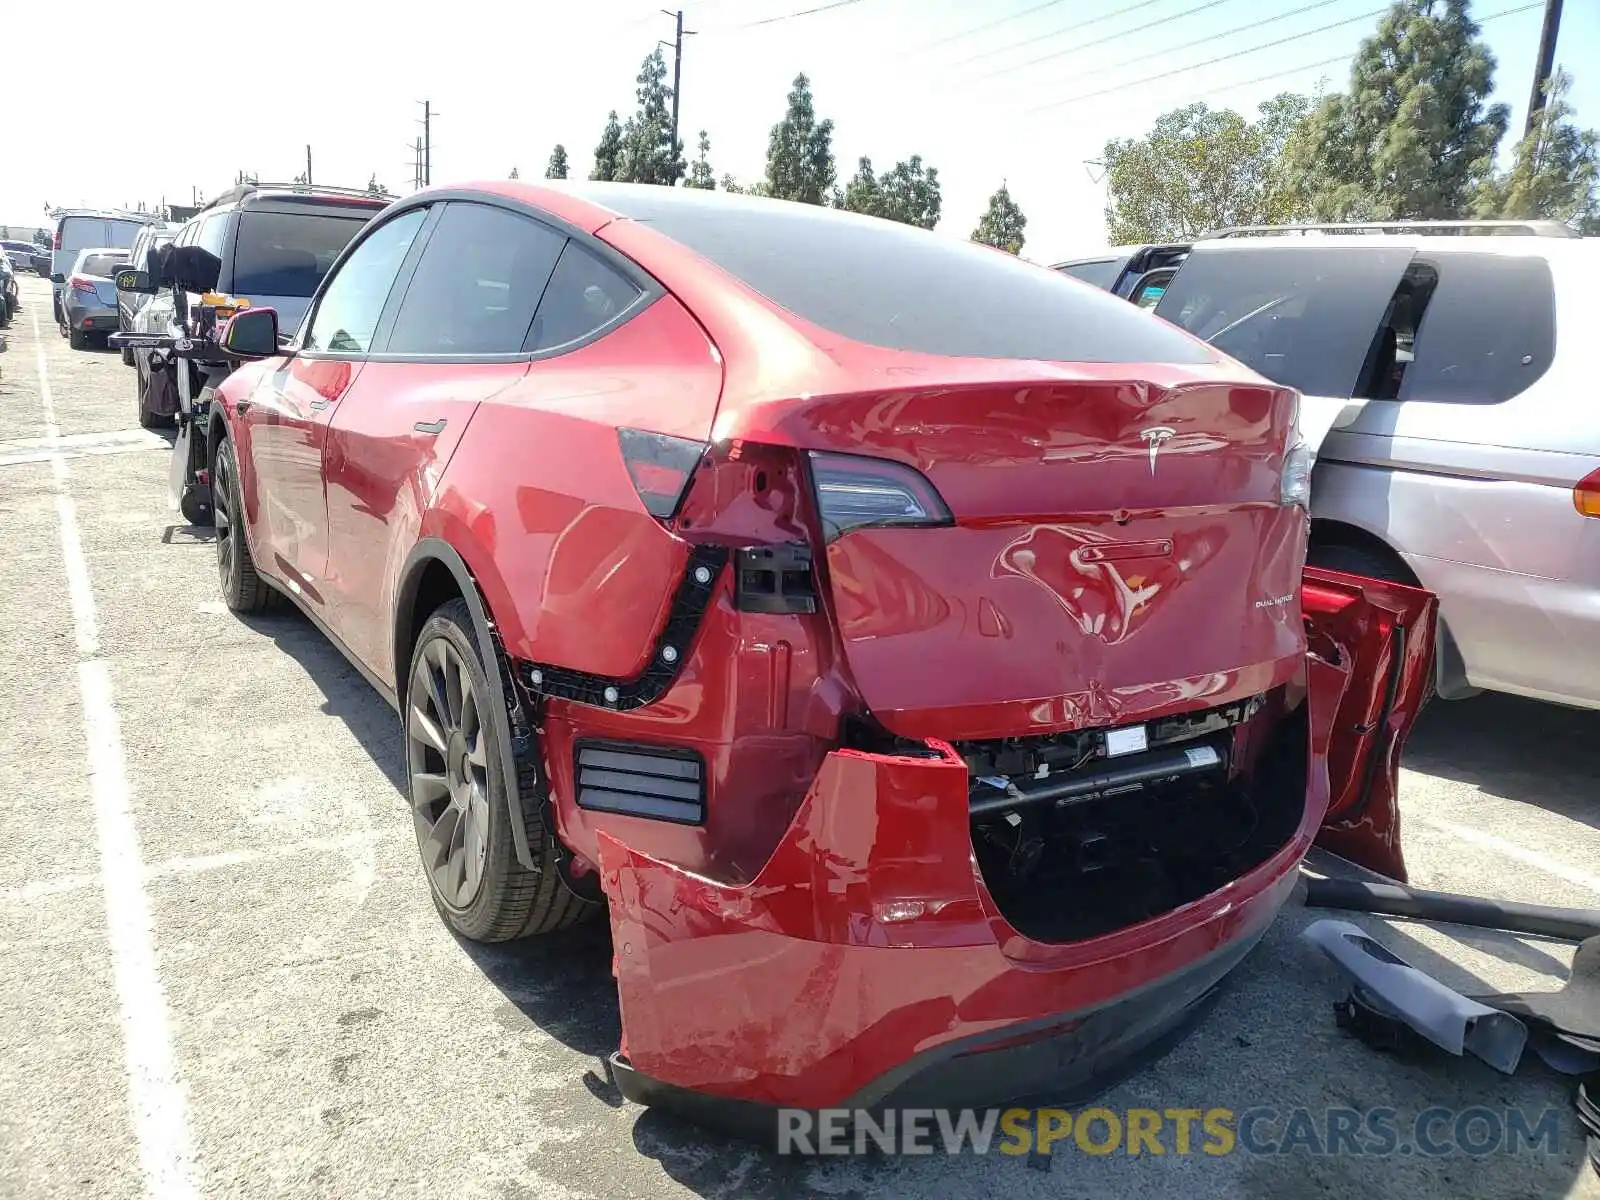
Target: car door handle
430,426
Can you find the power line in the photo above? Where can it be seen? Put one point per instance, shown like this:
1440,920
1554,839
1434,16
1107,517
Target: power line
804,12
1121,12
1110,37
1510,12
1212,37
1027,12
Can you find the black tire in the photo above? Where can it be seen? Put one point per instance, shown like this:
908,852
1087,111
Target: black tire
127,357
243,590
510,901
78,341
194,506
1358,560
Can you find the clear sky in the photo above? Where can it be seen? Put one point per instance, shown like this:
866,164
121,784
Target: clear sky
1022,90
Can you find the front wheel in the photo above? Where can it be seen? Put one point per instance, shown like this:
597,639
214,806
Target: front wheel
460,796
243,590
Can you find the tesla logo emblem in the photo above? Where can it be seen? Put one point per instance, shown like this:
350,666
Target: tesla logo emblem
1154,437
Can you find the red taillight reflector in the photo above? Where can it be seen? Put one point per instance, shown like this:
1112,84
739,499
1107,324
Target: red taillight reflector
80,284
55,242
1586,495
660,466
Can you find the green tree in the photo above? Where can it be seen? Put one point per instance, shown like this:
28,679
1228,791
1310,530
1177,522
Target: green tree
862,193
556,168
1200,168
515,174
374,187
800,151
608,154
1414,137
700,174
908,193
649,154
1555,171
911,193
1002,223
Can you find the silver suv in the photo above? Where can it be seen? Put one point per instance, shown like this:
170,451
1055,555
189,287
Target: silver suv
1448,382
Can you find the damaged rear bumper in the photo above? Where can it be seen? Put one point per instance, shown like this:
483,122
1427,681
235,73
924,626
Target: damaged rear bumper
867,965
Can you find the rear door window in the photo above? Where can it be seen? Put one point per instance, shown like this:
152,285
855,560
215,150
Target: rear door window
477,284
122,233
1488,331
585,295
288,253
213,233
1301,316
1102,272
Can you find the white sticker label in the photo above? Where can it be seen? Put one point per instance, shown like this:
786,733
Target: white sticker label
1125,741
1202,756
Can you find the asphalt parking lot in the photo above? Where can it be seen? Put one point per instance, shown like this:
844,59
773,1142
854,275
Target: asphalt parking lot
222,976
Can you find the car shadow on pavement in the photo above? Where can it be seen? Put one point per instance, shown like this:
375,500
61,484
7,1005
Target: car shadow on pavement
1517,749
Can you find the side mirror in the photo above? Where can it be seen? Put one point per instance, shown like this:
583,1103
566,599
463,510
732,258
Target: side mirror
251,334
130,280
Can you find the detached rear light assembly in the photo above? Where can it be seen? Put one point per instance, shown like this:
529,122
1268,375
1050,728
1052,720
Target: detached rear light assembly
855,492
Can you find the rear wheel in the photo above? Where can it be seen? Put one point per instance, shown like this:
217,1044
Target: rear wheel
461,792
194,505
78,341
242,589
1358,560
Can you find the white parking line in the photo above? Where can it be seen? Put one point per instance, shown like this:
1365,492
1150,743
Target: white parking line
194,864
1530,858
159,1119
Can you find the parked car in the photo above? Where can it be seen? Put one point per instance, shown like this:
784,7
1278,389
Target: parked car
145,245
901,638
1449,374
89,300
10,299
257,244
20,255
42,257
84,229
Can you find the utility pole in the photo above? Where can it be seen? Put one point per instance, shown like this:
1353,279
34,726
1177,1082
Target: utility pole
308,165
677,73
1545,67
416,167
427,142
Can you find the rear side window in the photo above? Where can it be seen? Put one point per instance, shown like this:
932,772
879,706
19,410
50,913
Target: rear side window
122,233
213,232
1101,273
102,264
288,253
1301,316
1488,331
477,283
584,294
903,288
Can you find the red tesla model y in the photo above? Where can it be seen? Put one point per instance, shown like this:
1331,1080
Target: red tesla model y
906,645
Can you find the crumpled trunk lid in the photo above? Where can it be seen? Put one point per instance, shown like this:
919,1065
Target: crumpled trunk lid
1118,547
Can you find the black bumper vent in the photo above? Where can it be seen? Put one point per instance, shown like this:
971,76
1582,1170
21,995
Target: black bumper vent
642,781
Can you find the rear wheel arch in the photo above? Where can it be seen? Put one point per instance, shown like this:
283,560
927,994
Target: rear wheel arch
1341,546
434,574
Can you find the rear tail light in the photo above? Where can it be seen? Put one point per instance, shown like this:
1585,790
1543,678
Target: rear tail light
55,242
80,284
660,467
854,492
1586,495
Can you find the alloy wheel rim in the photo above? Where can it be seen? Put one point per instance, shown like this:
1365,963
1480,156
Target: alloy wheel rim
222,516
448,762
